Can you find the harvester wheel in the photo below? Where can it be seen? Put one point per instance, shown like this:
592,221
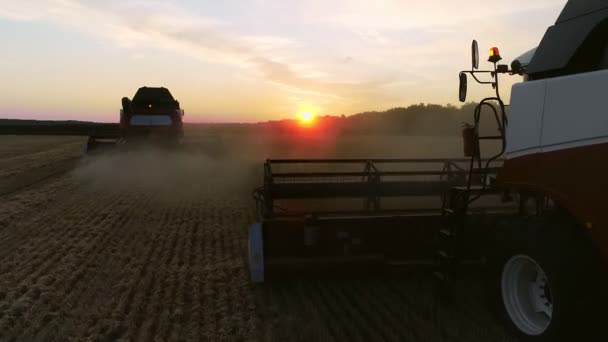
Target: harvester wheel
542,283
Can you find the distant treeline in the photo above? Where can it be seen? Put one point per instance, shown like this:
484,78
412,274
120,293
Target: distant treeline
48,127
420,119
415,120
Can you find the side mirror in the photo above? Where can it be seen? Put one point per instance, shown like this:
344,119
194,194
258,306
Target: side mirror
517,68
462,91
126,105
475,55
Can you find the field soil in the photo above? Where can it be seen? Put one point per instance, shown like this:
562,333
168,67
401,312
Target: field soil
151,246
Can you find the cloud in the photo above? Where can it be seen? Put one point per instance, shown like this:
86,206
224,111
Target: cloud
137,56
402,48
371,35
20,11
154,24
411,14
346,60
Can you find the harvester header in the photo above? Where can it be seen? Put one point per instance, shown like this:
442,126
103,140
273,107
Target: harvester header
328,212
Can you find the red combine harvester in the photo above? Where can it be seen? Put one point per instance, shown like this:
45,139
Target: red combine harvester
531,215
153,116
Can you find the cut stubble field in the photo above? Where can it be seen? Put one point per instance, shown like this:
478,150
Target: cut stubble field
152,246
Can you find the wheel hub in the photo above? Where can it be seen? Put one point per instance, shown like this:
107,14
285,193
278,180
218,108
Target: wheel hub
527,295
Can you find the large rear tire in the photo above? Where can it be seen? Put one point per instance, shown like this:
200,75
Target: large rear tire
543,281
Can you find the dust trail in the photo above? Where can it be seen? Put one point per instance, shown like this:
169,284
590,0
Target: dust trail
172,174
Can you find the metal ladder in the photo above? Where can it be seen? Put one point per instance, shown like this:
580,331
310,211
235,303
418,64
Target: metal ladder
454,209
456,202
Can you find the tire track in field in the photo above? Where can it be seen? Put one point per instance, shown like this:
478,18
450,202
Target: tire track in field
143,242
415,316
318,314
350,309
92,262
204,245
117,271
42,262
163,322
229,325
246,303
89,279
334,310
221,304
226,313
281,324
363,309
37,176
144,321
137,273
397,320
468,305
392,319
24,227
194,282
75,267
58,246
162,309
57,217
358,331
182,308
213,275
241,302
311,291
201,285
21,207
400,290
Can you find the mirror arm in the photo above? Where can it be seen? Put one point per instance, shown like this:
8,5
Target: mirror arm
479,81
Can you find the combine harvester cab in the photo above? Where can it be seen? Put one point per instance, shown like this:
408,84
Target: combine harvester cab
153,117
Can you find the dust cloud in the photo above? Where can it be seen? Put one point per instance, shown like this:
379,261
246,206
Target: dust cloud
174,175
238,169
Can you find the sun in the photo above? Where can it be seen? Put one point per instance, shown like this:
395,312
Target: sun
306,118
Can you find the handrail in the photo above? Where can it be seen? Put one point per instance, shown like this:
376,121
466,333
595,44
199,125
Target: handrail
376,161
379,173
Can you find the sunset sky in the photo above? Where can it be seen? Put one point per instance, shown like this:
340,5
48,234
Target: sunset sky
251,60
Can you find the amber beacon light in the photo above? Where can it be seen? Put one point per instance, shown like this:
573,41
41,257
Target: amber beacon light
494,55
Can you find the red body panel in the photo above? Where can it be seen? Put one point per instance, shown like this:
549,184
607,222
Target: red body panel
575,178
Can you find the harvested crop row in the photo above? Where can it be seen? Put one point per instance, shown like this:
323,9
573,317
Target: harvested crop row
379,308
102,254
114,264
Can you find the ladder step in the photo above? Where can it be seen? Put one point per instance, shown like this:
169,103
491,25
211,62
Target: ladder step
445,255
475,189
464,188
446,233
440,275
